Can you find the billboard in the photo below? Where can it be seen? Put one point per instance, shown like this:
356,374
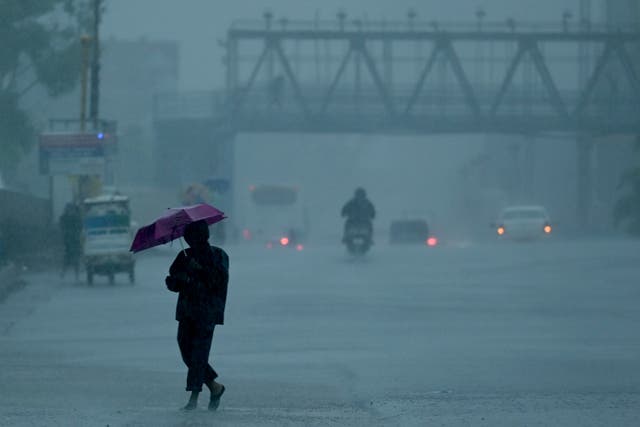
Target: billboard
75,153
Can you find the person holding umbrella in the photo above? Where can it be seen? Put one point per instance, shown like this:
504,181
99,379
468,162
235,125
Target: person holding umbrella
200,276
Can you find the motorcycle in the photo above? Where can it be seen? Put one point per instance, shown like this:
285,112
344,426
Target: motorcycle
358,237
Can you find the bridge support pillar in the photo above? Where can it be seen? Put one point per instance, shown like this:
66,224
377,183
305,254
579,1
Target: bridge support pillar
584,148
528,167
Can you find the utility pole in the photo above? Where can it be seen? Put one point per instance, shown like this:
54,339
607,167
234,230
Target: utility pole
85,42
94,102
90,63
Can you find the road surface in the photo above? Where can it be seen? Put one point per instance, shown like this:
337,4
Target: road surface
494,334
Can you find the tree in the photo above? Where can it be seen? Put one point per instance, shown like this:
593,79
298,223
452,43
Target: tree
39,41
626,211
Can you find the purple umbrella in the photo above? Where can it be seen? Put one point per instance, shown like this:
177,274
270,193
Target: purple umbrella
171,225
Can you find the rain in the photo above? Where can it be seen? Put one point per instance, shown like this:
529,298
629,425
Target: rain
417,213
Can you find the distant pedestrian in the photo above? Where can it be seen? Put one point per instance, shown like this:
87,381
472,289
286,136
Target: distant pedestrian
71,228
200,275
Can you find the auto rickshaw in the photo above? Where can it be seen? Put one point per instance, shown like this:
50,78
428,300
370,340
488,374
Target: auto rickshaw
108,234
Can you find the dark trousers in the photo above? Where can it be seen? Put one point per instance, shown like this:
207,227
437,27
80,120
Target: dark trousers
194,340
72,255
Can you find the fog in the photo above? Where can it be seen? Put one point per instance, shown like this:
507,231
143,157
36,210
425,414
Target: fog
488,276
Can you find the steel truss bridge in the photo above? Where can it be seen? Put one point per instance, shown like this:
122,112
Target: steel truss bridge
419,77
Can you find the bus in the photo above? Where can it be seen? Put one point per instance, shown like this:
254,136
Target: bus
276,217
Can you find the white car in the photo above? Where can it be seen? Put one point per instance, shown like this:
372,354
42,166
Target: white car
523,223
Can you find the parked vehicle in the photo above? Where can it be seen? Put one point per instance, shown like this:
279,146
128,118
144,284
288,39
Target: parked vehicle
409,231
108,235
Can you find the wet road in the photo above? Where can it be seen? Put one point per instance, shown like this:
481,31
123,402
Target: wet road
496,334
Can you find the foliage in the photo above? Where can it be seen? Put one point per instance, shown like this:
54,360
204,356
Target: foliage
39,41
16,131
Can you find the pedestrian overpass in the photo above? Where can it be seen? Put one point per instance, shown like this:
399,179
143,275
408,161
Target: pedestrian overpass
417,78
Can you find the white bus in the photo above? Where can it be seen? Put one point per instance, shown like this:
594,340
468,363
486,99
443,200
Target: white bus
275,217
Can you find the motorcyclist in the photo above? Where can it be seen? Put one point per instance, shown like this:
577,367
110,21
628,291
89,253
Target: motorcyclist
358,210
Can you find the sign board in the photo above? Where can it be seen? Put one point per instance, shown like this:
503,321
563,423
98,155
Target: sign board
75,153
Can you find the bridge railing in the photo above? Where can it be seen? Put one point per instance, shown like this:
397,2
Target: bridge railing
356,25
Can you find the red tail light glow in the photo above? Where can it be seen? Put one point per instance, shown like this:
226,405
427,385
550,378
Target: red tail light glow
547,229
500,231
284,241
299,248
432,241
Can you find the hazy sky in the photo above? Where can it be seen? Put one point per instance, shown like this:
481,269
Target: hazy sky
197,24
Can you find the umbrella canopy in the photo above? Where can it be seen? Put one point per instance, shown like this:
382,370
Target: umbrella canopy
171,225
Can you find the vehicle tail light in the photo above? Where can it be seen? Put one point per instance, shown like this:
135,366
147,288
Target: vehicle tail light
500,230
432,241
284,241
299,248
547,229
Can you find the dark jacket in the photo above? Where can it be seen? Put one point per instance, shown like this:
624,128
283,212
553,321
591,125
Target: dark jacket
71,227
359,209
201,279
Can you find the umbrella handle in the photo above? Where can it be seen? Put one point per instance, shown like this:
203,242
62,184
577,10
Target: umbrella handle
173,231
182,246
